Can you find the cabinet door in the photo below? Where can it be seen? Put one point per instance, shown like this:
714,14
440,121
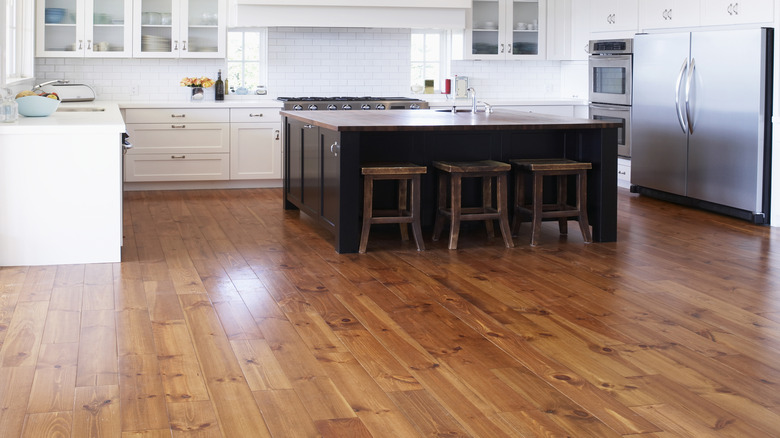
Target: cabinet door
60,28
108,30
202,29
331,174
156,29
526,29
612,15
718,12
483,36
311,169
567,32
255,151
655,14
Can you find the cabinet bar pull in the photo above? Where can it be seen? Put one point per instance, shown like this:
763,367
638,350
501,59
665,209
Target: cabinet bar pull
89,44
178,126
184,45
180,157
335,148
256,115
308,126
276,134
178,115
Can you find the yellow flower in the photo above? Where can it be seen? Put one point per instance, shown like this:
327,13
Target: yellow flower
196,82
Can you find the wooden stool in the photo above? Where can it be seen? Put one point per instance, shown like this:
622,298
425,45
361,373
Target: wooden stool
560,168
487,170
405,214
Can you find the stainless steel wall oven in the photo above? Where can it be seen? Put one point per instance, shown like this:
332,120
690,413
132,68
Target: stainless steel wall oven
610,86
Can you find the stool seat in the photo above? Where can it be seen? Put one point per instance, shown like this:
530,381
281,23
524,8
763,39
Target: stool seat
561,168
406,213
472,166
487,170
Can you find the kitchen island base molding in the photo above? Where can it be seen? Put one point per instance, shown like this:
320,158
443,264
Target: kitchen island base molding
324,151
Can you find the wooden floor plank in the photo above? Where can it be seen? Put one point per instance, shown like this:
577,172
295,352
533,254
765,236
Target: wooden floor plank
231,317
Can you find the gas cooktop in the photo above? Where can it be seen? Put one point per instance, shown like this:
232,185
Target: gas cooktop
312,103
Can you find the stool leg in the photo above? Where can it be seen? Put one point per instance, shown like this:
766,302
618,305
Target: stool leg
561,203
415,212
442,201
503,214
487,203
402,188
455,195
368,200
519,201
582,205
537,207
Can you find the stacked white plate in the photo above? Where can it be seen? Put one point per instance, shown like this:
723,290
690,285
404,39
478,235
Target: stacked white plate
154,43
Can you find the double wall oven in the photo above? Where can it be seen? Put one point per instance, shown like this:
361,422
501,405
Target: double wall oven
609,92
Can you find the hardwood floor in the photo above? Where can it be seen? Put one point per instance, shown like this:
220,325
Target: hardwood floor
230,317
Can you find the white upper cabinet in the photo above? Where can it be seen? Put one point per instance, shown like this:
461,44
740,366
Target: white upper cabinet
717,12
612,15
658,14
84,28
567,32
506,29
179,28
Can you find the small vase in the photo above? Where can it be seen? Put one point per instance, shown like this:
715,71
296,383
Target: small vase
197,94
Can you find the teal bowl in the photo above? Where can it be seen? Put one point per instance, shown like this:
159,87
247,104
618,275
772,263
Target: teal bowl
37,106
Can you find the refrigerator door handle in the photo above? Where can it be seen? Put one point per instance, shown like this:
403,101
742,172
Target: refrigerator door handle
689,83
680,115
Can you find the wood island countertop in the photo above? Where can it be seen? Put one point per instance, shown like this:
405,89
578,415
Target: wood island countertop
432,120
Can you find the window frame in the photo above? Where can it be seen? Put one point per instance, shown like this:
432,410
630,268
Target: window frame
262,60
17,40
445,58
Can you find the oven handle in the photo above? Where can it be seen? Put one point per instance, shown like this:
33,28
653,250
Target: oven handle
680,115
609,107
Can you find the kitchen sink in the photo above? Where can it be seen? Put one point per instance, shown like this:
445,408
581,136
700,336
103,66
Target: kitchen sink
80,109
459,110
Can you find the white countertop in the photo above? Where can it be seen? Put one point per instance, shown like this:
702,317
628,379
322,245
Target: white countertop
229,102
438,101
61,122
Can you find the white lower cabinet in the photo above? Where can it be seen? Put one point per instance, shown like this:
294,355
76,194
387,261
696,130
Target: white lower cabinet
186,146
255,143
203,144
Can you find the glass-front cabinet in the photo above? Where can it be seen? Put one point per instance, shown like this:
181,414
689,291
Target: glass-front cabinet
179,29
79,28
506,29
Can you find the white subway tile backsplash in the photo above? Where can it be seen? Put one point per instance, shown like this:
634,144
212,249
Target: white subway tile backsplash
321,61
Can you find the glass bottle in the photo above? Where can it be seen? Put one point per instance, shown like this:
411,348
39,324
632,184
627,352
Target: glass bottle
9,109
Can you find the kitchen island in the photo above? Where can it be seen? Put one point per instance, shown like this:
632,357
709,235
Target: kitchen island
61,187
324,151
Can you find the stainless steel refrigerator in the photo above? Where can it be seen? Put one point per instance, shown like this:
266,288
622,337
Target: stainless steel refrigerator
701,119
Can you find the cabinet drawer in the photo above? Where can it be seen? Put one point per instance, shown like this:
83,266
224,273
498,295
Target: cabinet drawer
178,138
177,167
254,115
177,115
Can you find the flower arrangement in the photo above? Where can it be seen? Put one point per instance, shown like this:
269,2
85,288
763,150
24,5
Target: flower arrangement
196,82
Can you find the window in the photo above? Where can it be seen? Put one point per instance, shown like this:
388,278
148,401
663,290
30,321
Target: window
430,58
16,41
246,59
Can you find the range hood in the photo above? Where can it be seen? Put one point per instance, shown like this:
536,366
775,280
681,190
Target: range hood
437,14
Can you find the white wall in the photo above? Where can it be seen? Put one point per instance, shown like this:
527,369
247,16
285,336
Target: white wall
320,61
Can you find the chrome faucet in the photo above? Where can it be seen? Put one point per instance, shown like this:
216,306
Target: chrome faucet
473,93
56,81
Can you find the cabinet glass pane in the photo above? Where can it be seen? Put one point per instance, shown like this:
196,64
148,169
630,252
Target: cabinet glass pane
525,23
202,25
156,20
108,25
485,22
60,25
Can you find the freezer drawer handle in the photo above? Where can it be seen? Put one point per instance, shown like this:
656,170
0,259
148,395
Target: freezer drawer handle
680,115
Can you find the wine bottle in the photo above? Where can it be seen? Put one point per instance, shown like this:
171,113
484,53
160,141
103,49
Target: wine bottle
219,87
